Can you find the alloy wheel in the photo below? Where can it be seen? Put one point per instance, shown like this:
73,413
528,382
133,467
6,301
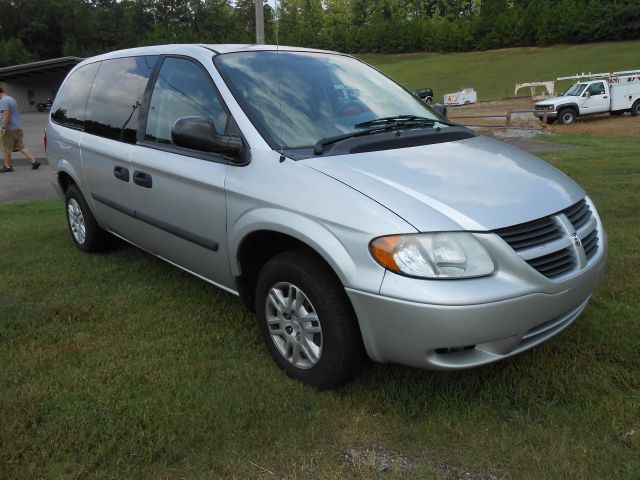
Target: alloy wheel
76,221
294,325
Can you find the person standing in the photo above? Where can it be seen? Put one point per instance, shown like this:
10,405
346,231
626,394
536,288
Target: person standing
11,132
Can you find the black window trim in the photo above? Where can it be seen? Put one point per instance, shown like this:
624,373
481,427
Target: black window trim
230,127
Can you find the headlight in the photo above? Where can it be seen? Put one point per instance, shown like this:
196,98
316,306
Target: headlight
551,108
433,255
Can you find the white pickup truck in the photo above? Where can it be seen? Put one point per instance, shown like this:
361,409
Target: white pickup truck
617,93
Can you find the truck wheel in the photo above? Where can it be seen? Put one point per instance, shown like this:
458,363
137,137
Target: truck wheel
306,320
85,231
429,100
567,116
635,109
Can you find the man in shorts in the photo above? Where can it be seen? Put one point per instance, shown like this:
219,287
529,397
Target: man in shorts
11,132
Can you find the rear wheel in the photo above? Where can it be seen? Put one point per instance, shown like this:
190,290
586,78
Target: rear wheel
567,116
306,320
635,109
85,231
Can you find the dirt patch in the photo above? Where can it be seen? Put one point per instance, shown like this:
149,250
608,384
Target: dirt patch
376,459
601,125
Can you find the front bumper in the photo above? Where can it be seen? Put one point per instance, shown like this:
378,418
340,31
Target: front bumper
457,336
550,114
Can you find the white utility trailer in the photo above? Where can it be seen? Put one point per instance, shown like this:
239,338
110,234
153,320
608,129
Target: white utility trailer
462,97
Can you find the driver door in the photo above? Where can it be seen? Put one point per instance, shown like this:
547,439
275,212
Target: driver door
597,98
178,193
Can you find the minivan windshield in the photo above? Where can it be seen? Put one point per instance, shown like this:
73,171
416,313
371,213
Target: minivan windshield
322,95
576,90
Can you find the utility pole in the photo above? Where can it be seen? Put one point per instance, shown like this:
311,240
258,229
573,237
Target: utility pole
259,23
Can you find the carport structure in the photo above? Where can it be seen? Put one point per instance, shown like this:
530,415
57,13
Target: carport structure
35,82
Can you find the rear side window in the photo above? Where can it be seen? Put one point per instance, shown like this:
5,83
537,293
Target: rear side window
182,89
71,100
116,97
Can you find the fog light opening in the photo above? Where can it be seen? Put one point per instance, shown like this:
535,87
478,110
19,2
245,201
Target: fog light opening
446,350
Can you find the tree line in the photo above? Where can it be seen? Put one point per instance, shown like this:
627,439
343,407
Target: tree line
42,29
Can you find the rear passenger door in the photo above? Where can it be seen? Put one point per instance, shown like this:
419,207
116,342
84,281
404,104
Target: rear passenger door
111,126
178,193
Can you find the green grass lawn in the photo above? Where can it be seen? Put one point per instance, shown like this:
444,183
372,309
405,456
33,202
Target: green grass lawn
494,73
121,366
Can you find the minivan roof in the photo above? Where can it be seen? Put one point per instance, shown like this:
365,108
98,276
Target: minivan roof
193,47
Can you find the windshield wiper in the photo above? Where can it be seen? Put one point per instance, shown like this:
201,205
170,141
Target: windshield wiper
380,125
399,121
318,148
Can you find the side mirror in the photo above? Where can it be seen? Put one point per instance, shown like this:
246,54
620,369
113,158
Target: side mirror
441,109
586,94
199,133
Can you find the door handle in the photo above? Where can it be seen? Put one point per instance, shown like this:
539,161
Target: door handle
142,179
605,97
121,173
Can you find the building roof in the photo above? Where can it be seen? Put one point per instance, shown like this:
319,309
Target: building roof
16,72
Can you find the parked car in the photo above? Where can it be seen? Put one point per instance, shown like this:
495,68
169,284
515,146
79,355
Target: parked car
44,106
425,94
349,215
616,93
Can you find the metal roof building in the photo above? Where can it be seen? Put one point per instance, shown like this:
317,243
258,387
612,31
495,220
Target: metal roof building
35,82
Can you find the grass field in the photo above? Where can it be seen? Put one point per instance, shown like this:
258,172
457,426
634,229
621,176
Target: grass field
121,366
494,73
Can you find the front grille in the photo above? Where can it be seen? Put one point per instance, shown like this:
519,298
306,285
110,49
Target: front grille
530,234
531,240
554,264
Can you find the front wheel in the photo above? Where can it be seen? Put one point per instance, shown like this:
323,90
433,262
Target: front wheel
635,109
306,320
85,231
567,116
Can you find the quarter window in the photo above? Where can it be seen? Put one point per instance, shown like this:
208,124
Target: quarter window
116,97
182,89
71,101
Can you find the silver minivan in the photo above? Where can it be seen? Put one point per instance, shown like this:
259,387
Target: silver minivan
353,218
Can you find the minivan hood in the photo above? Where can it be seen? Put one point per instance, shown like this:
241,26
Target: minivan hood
474,184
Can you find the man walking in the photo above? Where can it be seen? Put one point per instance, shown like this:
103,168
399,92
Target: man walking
11,132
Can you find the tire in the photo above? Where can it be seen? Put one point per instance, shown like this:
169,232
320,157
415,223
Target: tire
85,231
567,116
323,352
635,109
429,100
